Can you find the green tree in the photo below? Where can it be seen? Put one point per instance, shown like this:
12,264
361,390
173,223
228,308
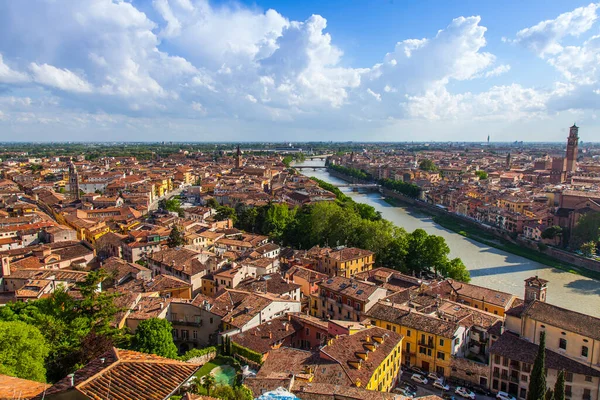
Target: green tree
224,212
559,386
212,203
23,350
427,165
243,393
276,220
481,174
537,380
208,382
175,238
456,270
154,336
588,248
553,232
587,229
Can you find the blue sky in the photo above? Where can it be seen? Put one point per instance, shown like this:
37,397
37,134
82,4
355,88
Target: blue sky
292,71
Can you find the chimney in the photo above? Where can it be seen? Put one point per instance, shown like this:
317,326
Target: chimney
287,326
289,317
162,305
72,378
270,335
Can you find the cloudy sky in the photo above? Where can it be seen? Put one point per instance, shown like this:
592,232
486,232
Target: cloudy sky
380,70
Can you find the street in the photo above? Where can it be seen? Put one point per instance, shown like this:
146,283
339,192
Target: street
428,389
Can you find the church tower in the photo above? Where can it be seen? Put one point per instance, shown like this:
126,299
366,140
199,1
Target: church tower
73,182
238,158
535,289
572,148
508,161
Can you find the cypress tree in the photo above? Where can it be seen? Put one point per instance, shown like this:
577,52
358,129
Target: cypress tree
559,386
537,382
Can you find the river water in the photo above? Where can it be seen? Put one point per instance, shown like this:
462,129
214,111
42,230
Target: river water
489,267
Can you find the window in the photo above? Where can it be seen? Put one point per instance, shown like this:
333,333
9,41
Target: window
524,378
307,331
568,390
562,343
195,335
422,350
389,327
185,334
495,384
408,348
523,393
441,342
587,394
211,320
394,328
584,351
441,355
318,335
496,359
568,377
505,361
588,378
408,332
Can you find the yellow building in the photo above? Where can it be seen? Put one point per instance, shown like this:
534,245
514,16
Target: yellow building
371,357
346,262
429,342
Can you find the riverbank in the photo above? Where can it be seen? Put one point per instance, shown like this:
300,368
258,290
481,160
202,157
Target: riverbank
492,237
476,233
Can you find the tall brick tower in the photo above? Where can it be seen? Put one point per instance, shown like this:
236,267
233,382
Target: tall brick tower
73,182
572,145
238,158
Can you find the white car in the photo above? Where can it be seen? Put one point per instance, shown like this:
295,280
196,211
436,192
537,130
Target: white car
441,385
419,378
463,392
504,396
433,376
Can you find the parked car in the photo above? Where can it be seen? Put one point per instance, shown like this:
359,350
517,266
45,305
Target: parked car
439,383
404,392
464,392
433,376
504,396
419,378
417,370
409,386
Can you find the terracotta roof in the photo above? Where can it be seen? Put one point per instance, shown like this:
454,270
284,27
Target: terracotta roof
349,253
327,391
350,287
573,321
344,349
264,337
412,319
125,375
17,388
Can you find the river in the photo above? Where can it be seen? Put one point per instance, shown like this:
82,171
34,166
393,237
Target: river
489,267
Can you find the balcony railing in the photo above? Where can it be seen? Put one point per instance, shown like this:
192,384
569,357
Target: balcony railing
429,344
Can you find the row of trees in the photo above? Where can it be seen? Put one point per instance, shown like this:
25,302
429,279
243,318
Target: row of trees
405,188
353,172
585,236
345,222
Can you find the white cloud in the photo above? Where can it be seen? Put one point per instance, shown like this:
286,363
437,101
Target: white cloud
499,70
545,37
244,64
198,108
377,96
62,79
8,75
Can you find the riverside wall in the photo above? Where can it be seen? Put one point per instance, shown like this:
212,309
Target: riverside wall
558,254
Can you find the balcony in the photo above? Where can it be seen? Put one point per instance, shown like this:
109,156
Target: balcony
430,344
185,323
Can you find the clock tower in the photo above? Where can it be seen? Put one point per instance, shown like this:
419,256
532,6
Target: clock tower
572,148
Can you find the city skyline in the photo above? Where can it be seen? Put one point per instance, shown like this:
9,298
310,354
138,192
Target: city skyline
195,71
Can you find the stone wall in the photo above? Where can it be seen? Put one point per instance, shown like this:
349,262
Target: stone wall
203,359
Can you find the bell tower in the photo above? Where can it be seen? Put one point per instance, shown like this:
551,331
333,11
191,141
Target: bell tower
73,182
238,158
572,148
535,289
